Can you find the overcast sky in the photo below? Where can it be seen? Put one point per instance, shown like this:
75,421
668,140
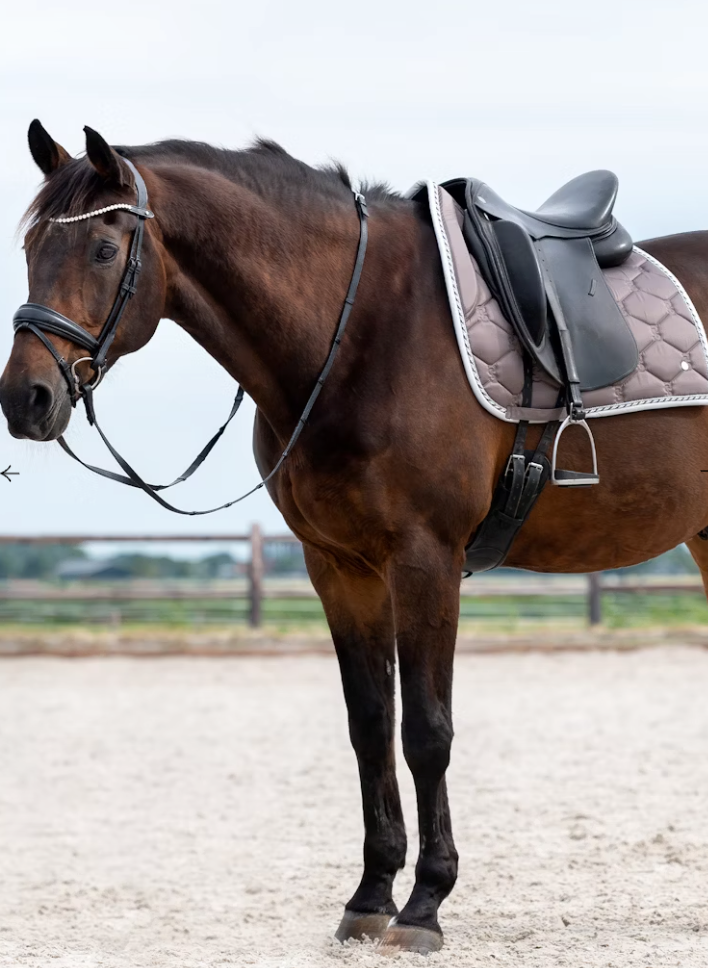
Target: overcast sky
523,95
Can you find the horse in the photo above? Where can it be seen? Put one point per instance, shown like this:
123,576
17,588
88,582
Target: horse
252,253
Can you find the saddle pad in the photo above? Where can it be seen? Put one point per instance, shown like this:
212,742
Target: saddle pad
673,350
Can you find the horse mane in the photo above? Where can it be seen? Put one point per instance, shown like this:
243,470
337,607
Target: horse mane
265,167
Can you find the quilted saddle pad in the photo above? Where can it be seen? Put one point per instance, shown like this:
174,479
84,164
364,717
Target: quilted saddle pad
673,350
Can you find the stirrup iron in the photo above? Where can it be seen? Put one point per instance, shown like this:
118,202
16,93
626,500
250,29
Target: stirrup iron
574,478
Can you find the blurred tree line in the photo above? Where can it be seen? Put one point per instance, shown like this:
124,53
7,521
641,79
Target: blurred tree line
34,561
162,566
678,561
46,562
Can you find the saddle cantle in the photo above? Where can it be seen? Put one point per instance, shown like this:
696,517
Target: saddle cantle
544,269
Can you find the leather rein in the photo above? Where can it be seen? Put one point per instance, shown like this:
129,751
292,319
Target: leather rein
41,320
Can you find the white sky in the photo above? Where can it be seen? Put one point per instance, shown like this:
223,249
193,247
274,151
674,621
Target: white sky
524,95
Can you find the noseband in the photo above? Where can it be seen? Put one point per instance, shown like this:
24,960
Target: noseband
41,320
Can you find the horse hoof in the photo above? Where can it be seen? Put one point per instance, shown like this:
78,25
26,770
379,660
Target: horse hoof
359,927
407,937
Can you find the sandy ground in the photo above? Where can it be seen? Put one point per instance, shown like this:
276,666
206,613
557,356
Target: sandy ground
205,812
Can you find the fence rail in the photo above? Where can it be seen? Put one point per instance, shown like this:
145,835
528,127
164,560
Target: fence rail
255,589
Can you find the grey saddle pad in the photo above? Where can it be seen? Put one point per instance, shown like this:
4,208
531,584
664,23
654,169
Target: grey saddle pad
673,351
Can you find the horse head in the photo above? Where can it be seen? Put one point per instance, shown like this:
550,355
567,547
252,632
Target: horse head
85,248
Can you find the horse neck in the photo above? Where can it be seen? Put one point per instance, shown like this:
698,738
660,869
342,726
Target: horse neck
258,285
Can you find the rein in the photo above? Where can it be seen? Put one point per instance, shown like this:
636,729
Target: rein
40,320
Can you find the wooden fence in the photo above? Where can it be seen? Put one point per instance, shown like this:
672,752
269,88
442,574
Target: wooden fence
255,589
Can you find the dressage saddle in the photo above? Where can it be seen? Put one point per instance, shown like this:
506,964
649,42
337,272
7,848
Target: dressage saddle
544,268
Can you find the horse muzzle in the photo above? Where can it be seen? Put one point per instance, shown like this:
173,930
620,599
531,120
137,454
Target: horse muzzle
35,410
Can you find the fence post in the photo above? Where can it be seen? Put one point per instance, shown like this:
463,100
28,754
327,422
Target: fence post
255,573
595,598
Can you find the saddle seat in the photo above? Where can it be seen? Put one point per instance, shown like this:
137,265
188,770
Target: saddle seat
582,208
584,202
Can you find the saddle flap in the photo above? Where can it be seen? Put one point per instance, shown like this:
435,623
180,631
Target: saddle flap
526,306
524,275
604,348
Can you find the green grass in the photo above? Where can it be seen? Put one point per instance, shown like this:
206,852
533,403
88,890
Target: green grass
664,608
164,612
618,611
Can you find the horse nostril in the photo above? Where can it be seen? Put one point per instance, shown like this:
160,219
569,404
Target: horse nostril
41,399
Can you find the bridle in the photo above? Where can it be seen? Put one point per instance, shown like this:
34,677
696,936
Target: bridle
41,320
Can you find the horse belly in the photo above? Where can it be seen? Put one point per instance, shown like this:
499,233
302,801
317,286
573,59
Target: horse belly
652,495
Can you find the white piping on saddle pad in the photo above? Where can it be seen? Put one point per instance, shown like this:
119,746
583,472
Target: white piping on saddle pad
453,295
468,359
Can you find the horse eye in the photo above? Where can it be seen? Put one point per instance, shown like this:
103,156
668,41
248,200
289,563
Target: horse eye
106,252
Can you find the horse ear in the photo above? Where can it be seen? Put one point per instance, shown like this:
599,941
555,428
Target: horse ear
107,162
47,154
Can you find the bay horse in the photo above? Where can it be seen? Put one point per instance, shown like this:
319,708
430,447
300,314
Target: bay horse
251,252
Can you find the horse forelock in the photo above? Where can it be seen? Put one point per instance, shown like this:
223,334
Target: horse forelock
70,190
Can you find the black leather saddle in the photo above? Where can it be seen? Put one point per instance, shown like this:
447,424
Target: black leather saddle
544,268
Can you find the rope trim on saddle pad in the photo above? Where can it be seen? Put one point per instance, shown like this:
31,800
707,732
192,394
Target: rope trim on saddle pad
672,344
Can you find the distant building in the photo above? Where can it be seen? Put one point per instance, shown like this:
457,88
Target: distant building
284,558
86,570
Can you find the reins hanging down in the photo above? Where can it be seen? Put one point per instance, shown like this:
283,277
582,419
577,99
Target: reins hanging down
40,320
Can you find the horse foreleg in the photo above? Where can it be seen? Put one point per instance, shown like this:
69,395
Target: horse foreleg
359,614
426,595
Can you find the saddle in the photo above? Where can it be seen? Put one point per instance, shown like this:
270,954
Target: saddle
544,268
